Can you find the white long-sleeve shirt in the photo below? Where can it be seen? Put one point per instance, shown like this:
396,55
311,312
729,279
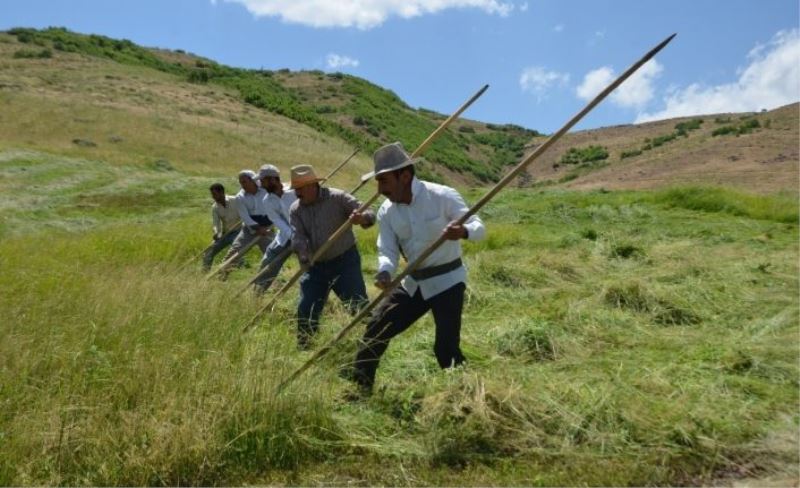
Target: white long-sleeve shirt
251,204
278,212
413,227
224,219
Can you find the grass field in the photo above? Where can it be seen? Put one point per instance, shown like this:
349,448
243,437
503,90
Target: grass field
613,338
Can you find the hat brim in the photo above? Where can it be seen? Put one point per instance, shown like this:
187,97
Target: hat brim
301,184
373,174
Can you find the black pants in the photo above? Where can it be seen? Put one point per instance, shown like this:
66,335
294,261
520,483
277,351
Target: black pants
396,314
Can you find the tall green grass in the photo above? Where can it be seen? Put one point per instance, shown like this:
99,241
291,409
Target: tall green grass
675,364
778,208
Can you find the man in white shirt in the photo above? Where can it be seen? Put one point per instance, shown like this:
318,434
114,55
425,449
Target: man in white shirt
279,199
250,202
225,223
414,215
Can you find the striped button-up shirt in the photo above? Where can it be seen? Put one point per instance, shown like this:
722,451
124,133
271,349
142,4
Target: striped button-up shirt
224,219
315,223
412,228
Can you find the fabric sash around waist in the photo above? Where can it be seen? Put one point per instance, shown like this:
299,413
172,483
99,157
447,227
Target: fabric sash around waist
439,269
262,220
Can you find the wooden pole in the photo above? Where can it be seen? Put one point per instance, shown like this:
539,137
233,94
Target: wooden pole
486,198
341,165
208,248
346,226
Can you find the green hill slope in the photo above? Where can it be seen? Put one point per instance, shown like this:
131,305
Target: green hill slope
338,105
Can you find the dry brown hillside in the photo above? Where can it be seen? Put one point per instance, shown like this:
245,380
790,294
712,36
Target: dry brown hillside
763,160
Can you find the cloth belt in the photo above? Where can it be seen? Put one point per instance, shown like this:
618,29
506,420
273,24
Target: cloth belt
439,269
262,220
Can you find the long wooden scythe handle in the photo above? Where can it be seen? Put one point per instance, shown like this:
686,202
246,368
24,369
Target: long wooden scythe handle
344,227
496,189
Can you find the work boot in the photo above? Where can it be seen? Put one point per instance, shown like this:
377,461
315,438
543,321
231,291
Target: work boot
360,380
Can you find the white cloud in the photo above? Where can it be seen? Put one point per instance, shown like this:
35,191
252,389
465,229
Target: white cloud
636,92
363,14
771,79
594,82
537,80
523,7
336,61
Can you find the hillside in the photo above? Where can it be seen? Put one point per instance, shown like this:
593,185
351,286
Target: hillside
752,151
101,72
135,103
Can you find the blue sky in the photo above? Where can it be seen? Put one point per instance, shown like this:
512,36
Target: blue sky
543,58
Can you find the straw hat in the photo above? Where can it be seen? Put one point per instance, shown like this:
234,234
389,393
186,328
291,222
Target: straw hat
389,158
302,175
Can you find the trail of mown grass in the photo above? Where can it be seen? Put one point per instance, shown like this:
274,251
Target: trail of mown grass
613,339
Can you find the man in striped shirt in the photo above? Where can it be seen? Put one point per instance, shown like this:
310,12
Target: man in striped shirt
225,223
315,216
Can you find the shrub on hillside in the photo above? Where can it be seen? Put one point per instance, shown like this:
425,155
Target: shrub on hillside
745,127
630,154
199,75
689,125
325,109
584,155
33,54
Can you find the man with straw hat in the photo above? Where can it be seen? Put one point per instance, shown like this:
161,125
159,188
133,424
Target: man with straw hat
315,217
415,214
278,201
256,224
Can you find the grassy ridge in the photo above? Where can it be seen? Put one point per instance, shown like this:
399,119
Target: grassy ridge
369,117
605,347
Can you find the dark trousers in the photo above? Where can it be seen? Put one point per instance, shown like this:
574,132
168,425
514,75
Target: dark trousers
341,274
216,247
396,314
274,253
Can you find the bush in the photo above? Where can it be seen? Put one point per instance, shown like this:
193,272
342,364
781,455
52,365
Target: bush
660,140
630,154
745,127
725,129
689,125
325,109
199,75
466,129
584,155
33,54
